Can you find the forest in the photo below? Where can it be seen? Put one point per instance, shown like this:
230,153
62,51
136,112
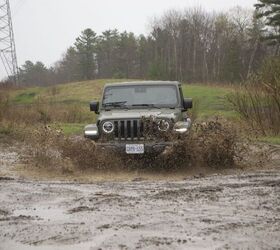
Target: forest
191,45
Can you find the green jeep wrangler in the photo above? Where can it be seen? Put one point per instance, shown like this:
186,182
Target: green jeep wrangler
135,117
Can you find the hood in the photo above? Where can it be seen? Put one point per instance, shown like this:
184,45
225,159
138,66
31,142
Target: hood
115,114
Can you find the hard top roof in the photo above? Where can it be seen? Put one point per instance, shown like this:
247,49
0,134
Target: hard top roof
143,83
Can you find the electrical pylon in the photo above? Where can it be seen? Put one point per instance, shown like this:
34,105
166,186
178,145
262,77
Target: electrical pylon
7,42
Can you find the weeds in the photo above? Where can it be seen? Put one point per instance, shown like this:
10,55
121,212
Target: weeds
258,101
41,111
4,101
43,114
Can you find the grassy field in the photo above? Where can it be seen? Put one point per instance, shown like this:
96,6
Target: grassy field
78,92
210,101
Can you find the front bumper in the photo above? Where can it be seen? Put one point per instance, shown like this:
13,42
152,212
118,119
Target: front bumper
149,147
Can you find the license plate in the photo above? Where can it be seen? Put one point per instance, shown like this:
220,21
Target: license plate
135,149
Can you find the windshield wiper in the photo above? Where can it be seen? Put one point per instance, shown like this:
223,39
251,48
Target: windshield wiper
146,105
115,104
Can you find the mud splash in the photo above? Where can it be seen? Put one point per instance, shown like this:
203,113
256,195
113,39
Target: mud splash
211,144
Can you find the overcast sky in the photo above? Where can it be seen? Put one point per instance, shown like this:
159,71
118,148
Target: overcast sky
45,28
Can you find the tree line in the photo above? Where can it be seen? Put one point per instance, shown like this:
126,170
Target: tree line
192,45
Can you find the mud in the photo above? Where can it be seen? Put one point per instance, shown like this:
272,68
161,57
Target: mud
236,210
222,212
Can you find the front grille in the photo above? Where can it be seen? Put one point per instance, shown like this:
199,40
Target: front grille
129,130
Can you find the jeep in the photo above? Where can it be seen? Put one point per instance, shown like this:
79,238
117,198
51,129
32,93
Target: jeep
135,117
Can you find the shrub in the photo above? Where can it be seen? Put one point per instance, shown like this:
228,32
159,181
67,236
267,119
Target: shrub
258,100
4,102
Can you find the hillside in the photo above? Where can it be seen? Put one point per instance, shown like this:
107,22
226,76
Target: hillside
210,99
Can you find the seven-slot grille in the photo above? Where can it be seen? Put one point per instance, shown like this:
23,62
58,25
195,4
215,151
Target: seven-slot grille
131,130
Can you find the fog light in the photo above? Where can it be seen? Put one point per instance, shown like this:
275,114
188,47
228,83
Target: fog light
183,127
91,132
181,130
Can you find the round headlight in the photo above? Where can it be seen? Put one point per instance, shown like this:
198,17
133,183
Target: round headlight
108,127
163,125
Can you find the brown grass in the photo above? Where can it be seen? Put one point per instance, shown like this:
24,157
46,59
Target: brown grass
258,100
44,113
41,111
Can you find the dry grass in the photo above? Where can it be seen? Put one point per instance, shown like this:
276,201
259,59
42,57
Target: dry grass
41,113
258,100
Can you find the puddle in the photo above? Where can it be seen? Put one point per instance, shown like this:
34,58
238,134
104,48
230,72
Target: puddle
47,214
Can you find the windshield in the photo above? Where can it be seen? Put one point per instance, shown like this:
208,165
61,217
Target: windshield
141,96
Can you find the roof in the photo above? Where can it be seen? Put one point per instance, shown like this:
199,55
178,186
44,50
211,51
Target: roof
143,83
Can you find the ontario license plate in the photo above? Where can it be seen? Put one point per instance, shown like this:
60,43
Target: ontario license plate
135,148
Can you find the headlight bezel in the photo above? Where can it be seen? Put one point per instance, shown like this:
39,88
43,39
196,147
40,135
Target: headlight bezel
108,131
164,122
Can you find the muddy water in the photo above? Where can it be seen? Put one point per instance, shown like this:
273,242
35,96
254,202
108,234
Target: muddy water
240,210
215,212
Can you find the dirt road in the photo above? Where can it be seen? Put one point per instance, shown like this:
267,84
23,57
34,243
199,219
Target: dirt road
240,210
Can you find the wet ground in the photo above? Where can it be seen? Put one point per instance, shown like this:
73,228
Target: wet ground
222,211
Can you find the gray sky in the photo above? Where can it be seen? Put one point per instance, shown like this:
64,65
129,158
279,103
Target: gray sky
45,28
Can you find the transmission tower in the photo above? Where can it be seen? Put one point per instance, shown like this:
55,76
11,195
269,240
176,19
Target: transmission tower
7,42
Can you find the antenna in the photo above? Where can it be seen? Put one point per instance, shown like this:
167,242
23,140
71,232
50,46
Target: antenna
7,42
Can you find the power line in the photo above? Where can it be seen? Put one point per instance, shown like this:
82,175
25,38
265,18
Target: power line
7,42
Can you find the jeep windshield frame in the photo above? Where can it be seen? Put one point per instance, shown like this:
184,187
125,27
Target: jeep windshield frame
141,96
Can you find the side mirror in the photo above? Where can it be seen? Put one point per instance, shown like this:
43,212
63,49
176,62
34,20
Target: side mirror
188,103
94,106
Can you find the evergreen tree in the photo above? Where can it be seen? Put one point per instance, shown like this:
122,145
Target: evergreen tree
106,53
270,11
85,45
68,68
127,56
34,74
